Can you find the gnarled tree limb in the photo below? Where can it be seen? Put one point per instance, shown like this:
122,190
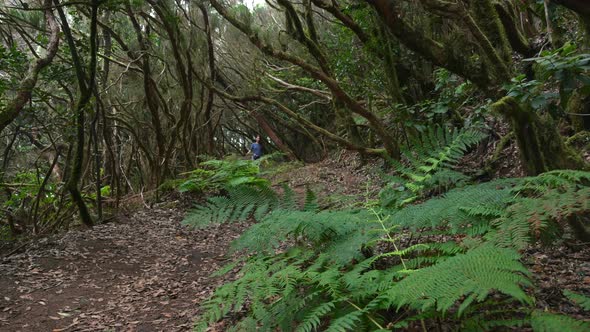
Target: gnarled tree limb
26,87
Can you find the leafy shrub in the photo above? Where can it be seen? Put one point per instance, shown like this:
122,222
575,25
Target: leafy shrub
563,68
25,201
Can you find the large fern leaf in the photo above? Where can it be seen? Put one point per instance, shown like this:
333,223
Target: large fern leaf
340,234
240,203
579,299
458,208
468,277
548,322
429,159
543,218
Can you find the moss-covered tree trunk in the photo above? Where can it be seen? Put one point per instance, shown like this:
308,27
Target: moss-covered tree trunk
585,25
345,125
582,8
489,22
577,106
541,146
553,31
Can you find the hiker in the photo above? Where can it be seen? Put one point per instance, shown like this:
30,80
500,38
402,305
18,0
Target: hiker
256,148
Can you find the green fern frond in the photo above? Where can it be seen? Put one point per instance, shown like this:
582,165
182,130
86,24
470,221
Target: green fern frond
459,207
446,179
449,248
558,179
226,268
311,201
579,299
313,319
246,324
362,282
240,204
472,276
268,285
338,233
430,159
541,218
423,261
548,322
346,322
483,323
288,201
488,212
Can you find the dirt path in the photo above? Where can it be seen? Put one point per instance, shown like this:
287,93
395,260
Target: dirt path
147,273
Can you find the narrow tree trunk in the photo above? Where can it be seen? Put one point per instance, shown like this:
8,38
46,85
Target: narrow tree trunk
95,140
552,29
345,125
86,86
7,192
42,190
152,99
489,20
213,78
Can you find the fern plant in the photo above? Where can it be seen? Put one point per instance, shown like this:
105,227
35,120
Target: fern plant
239,204
340,234
467,277
547,322
579,299
246,195
357,270
243,202
509,212
466,210
429,165
321,284
541,208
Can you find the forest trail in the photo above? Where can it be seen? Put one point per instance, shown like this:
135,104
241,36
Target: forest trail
146,273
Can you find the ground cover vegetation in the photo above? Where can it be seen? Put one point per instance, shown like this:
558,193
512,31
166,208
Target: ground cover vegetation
476,113
450,262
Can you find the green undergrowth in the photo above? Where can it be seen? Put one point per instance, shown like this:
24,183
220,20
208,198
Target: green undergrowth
226,174
428,166
450,262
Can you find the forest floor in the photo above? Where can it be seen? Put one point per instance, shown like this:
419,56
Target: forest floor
144,271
